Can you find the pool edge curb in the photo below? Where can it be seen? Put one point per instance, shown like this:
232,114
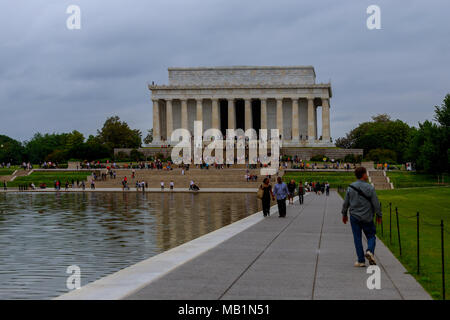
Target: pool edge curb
126,281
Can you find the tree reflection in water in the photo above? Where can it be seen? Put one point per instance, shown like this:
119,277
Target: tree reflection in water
41,234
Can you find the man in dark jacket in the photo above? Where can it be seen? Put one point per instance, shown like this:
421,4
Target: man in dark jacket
363,203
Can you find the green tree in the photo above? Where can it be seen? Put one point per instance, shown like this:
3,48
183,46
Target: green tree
430,144
40,146
380,133
382,156
75,146
442,113
117,134
10,150
136,155
149,138
93,149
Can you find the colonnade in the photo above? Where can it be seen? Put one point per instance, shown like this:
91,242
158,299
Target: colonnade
231,102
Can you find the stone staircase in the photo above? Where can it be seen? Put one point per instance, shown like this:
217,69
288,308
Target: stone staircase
18,173
204,178
379,180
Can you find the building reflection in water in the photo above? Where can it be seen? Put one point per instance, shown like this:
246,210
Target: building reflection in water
43,233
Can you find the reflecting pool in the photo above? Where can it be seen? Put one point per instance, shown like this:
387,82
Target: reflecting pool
41,234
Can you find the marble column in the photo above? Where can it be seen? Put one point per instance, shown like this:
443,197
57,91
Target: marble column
184,115
169,119
325,120
199,110
316,133
215,123
263,113
311,134
280,117
295,121
248,114
156,131
231,114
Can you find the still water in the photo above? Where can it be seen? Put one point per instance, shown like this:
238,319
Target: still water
41,234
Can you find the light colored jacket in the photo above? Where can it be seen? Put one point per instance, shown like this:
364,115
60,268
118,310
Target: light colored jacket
360,207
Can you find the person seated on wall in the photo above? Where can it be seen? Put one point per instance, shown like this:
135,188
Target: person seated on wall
193,186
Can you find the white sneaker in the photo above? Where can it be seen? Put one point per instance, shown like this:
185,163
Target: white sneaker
359,264
369,256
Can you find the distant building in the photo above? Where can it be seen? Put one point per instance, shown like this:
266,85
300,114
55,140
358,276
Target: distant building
284,98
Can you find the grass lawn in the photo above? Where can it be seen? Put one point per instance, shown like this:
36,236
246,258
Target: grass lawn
406,179
6,172
402,179
48,178
334,178
433,205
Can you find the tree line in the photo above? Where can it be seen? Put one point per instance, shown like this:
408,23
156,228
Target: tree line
62,147
394,141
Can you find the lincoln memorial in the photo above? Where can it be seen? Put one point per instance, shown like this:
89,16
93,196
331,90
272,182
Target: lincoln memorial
243,97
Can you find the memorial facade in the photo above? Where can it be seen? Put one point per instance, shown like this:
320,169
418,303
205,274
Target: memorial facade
243,97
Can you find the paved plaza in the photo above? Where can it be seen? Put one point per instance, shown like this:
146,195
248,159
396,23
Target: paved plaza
307,255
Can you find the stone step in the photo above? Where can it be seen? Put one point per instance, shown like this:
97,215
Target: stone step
376,173
382,186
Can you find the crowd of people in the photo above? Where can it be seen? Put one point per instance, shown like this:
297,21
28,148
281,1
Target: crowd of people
282,192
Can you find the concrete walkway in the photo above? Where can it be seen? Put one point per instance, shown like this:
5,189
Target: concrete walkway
307,255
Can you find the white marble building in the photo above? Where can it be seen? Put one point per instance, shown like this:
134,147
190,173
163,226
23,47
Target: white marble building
287,98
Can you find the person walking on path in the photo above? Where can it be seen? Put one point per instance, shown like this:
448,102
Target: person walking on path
267,195
301,192
362,202
281,191
291,188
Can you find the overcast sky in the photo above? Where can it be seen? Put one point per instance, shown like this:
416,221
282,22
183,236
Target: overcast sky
53,79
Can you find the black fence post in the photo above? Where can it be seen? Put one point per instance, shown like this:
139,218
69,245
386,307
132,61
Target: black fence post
398,232
443,263
390,223
381,208
418,245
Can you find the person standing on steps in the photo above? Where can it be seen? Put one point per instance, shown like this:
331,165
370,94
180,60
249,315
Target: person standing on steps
362,202
281,191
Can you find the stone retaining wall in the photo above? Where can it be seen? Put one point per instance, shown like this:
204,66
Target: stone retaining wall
302,153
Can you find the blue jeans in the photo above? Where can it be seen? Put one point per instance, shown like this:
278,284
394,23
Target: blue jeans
369,230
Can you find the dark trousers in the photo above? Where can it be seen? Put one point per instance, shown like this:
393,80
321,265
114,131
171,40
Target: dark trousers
282,207
266,206
300,198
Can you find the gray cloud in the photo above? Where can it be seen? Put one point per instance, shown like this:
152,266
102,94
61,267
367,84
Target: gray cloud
55,80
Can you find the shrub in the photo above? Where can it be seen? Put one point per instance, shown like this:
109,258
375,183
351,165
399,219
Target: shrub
136,155
382,156
318,157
